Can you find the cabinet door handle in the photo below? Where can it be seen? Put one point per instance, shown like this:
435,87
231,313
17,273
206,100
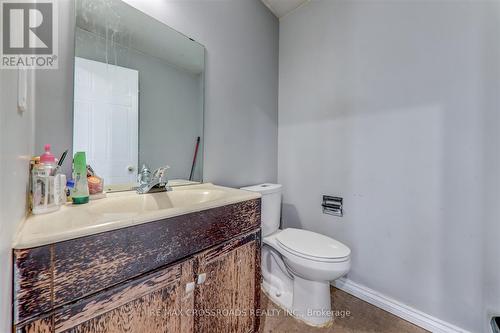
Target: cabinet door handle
201,278
190,287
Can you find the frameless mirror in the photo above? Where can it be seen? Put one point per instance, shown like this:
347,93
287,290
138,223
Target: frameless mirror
138,99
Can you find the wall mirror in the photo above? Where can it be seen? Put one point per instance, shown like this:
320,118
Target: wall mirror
139,95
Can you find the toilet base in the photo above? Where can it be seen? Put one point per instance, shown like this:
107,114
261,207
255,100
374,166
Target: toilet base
289,310
312,301
308,301
276,281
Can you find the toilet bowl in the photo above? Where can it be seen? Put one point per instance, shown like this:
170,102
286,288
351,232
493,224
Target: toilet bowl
298,265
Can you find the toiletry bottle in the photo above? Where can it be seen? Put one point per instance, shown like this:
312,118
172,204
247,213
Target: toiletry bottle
80,193
70,185
45,189
60,188
34,161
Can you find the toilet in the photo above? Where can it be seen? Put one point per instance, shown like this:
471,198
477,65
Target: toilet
298,265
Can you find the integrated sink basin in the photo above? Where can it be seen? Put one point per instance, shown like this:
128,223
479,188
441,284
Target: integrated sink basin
123,209
136,204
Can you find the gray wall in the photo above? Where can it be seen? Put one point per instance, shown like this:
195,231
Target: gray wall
490,215
16,148
394,106
54,92
170,105
241,38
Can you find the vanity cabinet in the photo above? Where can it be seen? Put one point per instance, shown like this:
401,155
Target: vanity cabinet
231,289
207,280
156,303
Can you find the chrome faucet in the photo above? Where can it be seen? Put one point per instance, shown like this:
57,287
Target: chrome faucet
152,181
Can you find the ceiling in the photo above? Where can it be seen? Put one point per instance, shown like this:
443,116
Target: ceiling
281,8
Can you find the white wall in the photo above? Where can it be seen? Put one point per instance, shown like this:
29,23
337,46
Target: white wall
16,147
241,84
385,103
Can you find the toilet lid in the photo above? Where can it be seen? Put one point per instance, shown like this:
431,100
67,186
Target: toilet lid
311,244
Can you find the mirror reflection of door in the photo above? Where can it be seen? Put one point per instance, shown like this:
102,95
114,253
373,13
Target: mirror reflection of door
106,119
122,125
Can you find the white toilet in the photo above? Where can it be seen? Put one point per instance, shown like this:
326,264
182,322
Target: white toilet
298,265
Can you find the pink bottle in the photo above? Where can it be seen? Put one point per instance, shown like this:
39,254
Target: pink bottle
46,184
47,158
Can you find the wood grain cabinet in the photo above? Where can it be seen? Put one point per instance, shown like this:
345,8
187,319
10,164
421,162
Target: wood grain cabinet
213,290
154,303
228,298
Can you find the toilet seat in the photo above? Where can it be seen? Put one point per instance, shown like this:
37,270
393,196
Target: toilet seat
312,246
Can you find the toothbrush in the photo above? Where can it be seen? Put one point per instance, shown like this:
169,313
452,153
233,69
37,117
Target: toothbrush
61,160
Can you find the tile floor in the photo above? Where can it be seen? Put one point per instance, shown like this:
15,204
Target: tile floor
354,316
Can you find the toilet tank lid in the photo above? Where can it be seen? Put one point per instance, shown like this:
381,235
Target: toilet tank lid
265,188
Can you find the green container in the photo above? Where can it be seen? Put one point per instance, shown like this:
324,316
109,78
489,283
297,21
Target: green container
80,192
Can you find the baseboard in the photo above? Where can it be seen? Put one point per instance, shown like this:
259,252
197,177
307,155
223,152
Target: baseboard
399,309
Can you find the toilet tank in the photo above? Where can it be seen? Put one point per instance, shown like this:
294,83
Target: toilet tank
271,206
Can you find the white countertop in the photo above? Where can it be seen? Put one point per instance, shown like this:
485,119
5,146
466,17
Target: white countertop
123,209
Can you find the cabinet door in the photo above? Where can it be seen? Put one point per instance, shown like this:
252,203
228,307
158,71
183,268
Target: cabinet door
157,303
226,301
